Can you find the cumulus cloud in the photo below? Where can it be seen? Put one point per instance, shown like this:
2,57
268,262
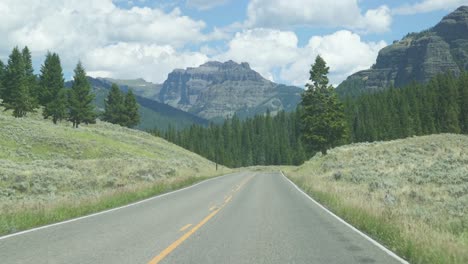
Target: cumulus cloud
344,52
264,49
426,6
82,29
273,51
128,60
205,4
345,13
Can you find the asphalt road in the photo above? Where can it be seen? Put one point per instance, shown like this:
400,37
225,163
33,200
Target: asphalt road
239,218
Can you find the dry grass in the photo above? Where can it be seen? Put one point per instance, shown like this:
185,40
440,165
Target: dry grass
411,194
44,167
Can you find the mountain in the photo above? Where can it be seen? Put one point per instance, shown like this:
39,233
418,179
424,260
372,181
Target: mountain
139,87
217,90
153,114
417,57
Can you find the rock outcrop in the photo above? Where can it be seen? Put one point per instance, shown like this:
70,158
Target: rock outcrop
218,90
417,57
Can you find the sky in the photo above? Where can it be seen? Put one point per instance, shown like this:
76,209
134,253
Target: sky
149,38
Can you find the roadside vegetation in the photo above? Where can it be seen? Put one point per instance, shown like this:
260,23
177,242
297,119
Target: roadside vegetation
410,194
50,173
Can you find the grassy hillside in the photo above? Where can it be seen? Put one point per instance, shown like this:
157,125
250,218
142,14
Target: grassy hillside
44,167
411,194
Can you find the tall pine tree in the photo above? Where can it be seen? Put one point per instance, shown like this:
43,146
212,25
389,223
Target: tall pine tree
16,93
52,94
2,74
463,92
131,110
114,106
31,80
323,119
80,99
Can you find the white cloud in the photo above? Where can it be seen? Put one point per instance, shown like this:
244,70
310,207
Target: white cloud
130,60
270,51
344,52
344,13
80,29
264,49
426,6
205,4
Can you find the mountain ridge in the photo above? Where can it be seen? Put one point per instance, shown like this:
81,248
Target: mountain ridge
417,57
217,90
153,114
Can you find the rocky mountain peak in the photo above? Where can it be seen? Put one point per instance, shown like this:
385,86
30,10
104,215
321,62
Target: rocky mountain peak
417,57
453,24
220,89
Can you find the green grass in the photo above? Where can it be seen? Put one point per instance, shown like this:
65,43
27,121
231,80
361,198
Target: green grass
409,194
14,220
50,173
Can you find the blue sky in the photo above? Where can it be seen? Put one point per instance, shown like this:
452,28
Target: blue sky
148,39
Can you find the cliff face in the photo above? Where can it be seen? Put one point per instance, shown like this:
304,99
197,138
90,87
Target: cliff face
417,57
219,90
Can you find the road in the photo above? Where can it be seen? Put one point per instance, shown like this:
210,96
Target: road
239,218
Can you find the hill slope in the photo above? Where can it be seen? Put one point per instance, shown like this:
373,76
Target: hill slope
411,194
417,57
42,163
218,90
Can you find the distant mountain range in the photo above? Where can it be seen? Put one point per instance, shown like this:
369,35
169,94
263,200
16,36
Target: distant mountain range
153,113
217,90
417,57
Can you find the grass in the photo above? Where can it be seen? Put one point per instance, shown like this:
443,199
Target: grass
14,220
410,194
51,173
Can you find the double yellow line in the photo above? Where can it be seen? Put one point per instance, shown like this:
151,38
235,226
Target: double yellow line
184,237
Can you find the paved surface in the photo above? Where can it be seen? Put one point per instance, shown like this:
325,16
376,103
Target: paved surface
238,218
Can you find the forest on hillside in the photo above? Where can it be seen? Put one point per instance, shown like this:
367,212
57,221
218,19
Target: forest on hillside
441,106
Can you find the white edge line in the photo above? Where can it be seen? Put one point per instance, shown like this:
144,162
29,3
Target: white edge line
386,250
111,210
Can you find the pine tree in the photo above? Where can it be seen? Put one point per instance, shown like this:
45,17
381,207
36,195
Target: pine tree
31,80
52,94
463,91
2,75
16,94
323,121
114,106
80,99
131,110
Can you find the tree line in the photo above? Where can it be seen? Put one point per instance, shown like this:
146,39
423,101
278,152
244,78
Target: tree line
440,106
323,121
23,92
318,124
260,140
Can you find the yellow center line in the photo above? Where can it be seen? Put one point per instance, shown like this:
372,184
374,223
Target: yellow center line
212,208
185,227
184,237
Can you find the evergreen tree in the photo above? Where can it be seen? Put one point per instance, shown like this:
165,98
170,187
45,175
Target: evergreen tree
463,91
31,80
323,120
114,106
52,94
131,110
2,75
16,94
80,99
